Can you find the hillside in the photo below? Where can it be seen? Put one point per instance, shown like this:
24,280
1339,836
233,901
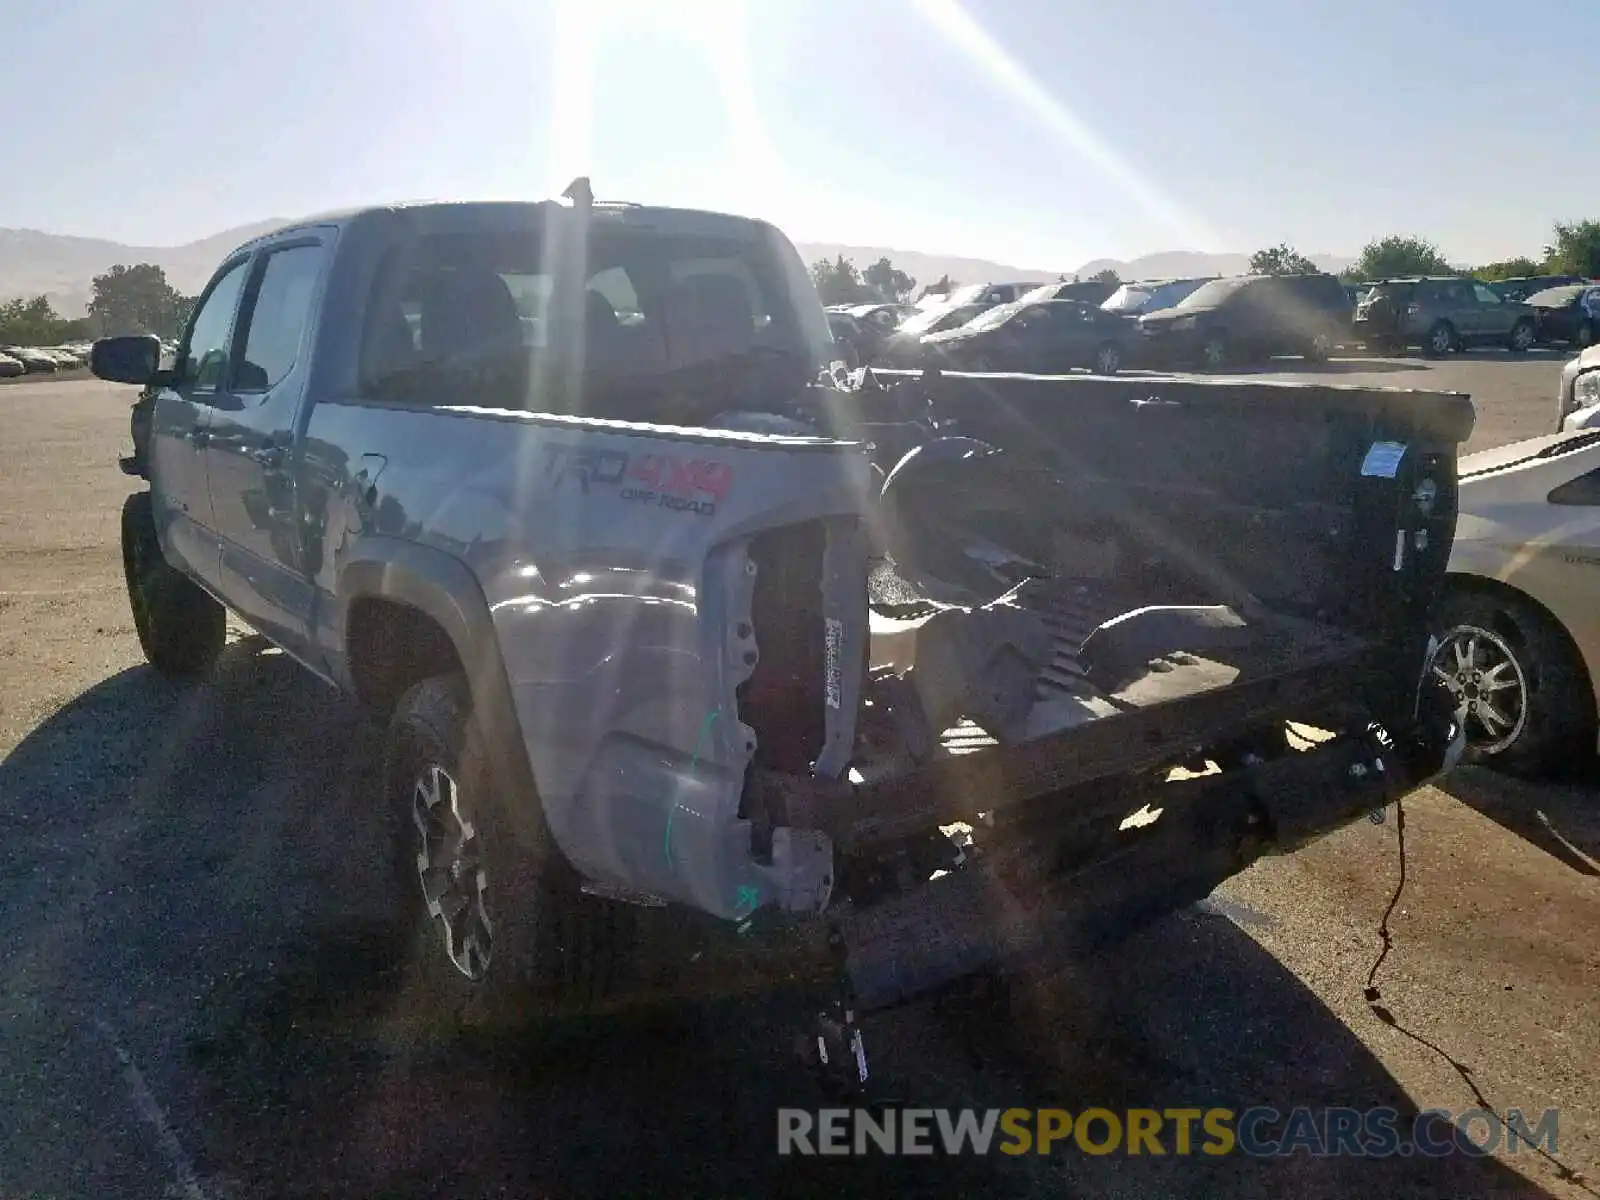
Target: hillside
63,268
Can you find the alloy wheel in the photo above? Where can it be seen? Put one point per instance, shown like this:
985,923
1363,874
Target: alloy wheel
1490,688
1107,360
451,870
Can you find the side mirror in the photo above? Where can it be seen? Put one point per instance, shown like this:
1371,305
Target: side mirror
132,359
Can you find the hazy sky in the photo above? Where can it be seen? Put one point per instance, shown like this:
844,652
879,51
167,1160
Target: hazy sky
1036,132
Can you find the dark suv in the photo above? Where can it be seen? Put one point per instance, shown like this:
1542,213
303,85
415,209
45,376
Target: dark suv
1250,317
1441,314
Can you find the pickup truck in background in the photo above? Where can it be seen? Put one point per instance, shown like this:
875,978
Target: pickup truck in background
662,611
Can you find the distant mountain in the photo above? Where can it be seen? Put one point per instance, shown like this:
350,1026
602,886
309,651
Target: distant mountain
927,268
1176,264
64,268
1168,264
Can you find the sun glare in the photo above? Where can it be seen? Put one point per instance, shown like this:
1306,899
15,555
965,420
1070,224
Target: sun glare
963,33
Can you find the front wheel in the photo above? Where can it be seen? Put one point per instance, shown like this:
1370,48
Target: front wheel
1107,359
181,627
1441,338
500,932
1584,336
1522,335
1320,348
1520,689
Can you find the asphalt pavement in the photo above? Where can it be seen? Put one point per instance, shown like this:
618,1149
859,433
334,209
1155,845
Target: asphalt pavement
199,964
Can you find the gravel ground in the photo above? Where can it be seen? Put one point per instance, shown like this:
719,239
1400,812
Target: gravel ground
197,969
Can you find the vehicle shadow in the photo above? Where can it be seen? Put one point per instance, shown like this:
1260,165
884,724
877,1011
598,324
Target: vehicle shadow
237,920
1562,819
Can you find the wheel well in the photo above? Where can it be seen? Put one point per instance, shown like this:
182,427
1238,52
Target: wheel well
1479,585
391,646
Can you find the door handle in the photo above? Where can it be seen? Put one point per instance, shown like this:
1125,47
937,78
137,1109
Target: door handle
271,458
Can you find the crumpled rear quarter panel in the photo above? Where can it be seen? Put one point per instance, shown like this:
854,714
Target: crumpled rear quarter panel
620,597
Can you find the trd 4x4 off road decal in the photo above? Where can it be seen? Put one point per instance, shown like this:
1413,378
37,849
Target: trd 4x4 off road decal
663,480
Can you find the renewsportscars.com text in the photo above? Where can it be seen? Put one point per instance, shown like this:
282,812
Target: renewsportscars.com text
1258,1132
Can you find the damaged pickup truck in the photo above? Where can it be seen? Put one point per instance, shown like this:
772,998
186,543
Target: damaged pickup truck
663,611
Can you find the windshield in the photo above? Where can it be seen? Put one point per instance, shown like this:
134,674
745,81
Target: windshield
1127,298
932,319
970,294
996,316
1211,293
1556,297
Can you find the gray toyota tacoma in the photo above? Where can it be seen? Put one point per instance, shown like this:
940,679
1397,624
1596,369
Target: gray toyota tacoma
668,614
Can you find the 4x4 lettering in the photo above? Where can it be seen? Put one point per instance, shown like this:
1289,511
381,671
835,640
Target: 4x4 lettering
685,478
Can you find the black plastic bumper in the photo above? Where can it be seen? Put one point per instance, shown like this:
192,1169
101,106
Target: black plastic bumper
1204,830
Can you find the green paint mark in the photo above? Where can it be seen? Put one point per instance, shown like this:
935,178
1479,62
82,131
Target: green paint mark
701,743
749,898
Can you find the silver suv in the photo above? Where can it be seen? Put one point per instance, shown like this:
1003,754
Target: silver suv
1440,315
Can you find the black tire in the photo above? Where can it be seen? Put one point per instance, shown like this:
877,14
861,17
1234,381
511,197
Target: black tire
1557,717
1216,352
1439,340
1107,359
552,950
1521,338
1583,336
181,627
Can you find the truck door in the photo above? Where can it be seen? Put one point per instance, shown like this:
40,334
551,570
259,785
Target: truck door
251,454
180,424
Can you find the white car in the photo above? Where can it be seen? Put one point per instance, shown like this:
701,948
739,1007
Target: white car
1578,400
1519,623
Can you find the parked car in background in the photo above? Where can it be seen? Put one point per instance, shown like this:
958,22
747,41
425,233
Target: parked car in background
1250,317
10,367
1150,295
34,361
1522,287
983,295
1569,313
1578,396
1518,625
903,347
1046,337
1085,291
1441,314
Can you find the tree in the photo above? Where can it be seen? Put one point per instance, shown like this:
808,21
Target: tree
31,323
1282,259
1576,250
888,280
838,282
1398,255
1510,268
1107,276
137,299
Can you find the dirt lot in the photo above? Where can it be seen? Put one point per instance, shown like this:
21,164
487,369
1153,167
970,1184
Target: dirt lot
196,969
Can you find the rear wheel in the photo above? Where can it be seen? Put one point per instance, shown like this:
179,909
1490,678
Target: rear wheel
181,627
1320,348
1521,691
1584,335
1522,335
500,932
1108,359
1440,339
